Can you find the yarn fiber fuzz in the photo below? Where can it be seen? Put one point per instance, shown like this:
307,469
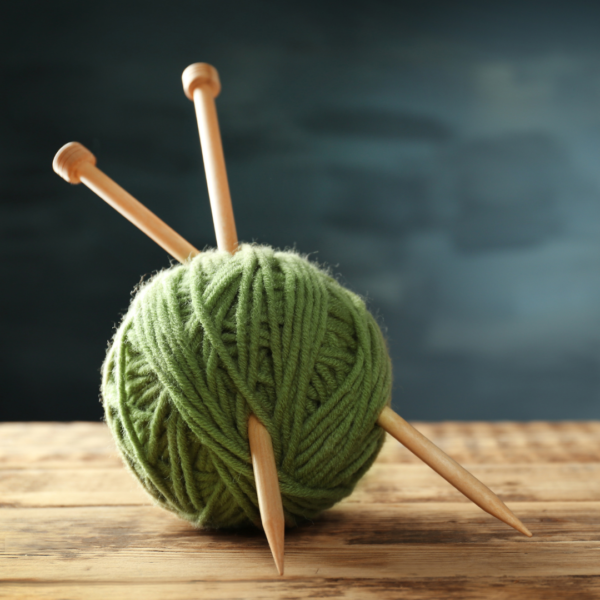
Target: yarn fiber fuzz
207,343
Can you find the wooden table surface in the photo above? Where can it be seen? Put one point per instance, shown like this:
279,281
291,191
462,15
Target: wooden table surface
74,524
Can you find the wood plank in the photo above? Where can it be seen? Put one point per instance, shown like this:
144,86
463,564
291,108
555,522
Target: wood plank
75,524
24,530
57,445
216,564
391,483
145,543
72,435
70,487
384,484
507,442
89,445
451,588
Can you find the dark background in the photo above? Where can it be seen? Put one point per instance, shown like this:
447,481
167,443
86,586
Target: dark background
443,157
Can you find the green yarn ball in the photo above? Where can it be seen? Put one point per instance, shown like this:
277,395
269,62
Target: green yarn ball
205,344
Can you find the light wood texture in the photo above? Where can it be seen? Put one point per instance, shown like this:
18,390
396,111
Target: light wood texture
448,468
74,524
76,164
267,487
201,83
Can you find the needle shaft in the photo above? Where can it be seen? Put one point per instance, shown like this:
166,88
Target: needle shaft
448,468
77,164
201,84
267,487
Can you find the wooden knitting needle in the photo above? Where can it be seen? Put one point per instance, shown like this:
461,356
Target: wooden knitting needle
201,84
448,468
77,164
73,162
267,489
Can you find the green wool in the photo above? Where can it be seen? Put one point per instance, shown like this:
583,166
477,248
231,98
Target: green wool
208,343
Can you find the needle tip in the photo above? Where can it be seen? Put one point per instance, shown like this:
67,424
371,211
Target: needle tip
276,538
515,523
279,564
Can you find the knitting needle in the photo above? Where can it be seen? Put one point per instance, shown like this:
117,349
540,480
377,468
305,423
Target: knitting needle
75,163
201,85
267,488
448,468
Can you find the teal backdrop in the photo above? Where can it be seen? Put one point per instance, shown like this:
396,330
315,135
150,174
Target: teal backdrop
442,157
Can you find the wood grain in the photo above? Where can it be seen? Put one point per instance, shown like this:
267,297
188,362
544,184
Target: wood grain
505,588
74,524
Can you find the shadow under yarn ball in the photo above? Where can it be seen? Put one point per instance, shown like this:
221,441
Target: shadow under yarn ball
205,344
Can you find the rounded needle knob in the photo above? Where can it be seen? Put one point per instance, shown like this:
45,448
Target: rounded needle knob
69,159
200,74
77,164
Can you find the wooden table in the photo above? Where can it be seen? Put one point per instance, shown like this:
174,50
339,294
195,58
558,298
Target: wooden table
74,524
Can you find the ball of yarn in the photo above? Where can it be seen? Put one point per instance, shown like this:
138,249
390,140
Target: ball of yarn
205,344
